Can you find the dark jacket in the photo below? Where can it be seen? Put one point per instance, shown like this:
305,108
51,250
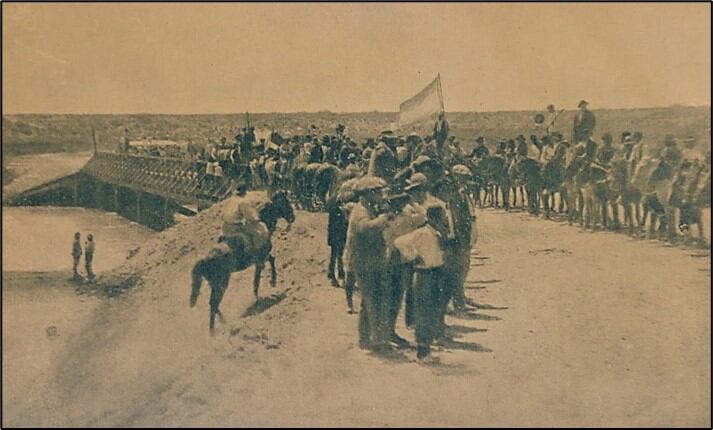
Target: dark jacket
584,123
337,225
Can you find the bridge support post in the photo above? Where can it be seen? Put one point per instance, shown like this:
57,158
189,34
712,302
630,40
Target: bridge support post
138,207
99,198
75,193
166,221
115,192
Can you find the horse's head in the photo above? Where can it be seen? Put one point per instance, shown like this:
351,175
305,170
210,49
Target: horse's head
283,207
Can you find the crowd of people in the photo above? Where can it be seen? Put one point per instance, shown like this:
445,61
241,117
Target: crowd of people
401,216
401,219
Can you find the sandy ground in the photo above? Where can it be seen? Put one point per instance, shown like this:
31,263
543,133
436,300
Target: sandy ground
574,328
32,170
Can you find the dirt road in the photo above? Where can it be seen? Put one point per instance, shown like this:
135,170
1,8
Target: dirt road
574,328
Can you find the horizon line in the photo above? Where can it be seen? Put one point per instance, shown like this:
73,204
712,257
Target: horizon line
344,112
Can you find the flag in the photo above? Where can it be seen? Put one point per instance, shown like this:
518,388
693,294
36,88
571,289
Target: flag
424,105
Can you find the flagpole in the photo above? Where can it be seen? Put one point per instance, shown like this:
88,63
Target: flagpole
440,93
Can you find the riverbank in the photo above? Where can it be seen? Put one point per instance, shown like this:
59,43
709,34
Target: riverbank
28,171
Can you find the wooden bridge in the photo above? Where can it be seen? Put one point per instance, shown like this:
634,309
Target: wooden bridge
145,189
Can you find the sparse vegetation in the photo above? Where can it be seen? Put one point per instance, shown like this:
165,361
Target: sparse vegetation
31,133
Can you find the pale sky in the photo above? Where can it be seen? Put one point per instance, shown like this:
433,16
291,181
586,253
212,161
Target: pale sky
224,58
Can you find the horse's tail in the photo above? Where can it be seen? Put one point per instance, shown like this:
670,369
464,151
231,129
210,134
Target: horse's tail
197,275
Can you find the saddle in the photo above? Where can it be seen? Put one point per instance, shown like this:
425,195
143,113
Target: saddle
252,236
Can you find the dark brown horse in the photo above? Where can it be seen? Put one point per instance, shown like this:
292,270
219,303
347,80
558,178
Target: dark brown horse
221,262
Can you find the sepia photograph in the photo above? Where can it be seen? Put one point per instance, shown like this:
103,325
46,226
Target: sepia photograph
356,214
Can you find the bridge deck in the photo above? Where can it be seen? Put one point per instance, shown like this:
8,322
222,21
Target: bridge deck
184,181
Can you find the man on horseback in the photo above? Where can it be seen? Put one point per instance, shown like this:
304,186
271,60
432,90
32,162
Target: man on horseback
606,152
584,123
243,231
670,156
480,151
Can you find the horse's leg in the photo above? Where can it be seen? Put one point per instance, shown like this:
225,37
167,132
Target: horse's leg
546,198
256,279
700,224
652,224
671,224
615,215
563,201
639,221
604,207
628,218
273,271
216,296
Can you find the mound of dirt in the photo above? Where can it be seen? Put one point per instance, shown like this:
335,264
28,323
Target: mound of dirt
144,339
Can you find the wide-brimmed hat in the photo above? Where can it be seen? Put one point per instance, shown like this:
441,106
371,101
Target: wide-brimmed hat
346,192
367,184
462,170
417,180
422,160
582,103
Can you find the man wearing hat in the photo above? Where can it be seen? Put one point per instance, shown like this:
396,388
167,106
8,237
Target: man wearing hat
552,115
502,147
522,149
606,151
457,253
406,219
383,162
316,153
419,186
584,123
480,151
637,150
242,229
671,157
366,257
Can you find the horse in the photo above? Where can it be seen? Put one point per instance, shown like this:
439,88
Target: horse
217,267
655,185
527,172
494,170
690,193
324,179
624,193
595,195
553,177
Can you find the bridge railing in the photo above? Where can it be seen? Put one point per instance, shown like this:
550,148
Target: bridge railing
182,180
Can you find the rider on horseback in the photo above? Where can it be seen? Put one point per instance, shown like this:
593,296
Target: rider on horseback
242,229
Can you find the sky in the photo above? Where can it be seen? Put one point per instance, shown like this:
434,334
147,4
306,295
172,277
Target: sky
225,58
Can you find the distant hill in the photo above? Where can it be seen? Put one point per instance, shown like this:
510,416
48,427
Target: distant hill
32,133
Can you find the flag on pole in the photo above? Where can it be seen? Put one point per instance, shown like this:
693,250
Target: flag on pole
427,104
